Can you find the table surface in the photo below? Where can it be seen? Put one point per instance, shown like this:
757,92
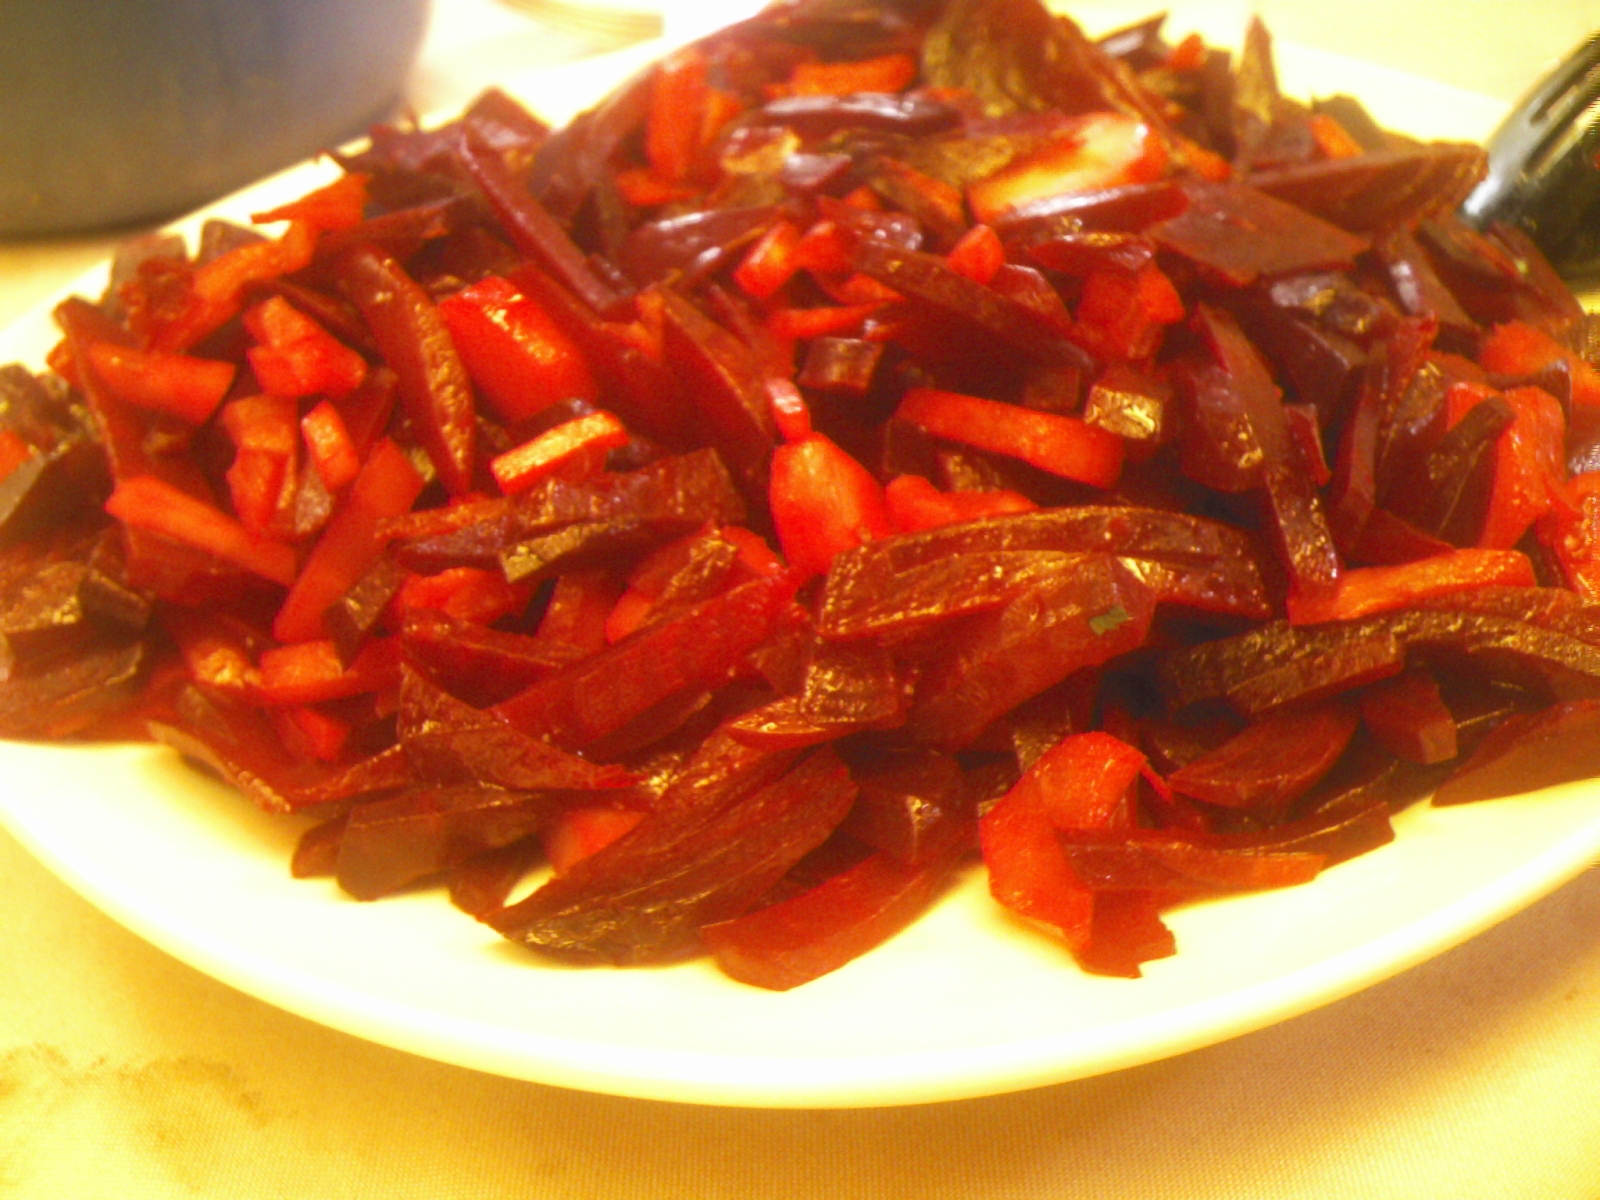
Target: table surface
125,1072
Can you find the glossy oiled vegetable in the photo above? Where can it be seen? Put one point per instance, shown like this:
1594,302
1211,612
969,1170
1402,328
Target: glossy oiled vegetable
879,441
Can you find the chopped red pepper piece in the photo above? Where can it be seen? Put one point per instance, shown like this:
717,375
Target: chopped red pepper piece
858,290
217,288
1571,530
628,614
522,466
1062,445
146,502
978,254
338,205
1528,466
297,356
770,263
1123,314
1517,348
643,188
1362,591
754,553
312,672
466,593
789,409
823,249
803,324
1188,55
518,356
574,622
177,384
884,73
679,99
313,732
579,832
1029,873
823,501
387,486
1091,152
14,451
1332,139
332,452
1081,783
262,479
913,503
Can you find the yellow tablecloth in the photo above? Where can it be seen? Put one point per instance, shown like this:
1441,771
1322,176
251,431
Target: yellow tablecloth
124,1073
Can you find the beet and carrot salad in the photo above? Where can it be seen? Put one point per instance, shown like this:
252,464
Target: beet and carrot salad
876,439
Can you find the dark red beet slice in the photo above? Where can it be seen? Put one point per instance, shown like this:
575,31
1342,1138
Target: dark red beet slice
645,897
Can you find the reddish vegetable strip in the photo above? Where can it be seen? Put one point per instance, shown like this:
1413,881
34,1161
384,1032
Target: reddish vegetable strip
186,387
1528,466
978,255
1092,152
823,502
433,384
518,356
1081,783
328,443
218,287
312,672
596,697
1517,348
913,503
1410,719
795,941
1126,932
262,478
146,502
1061,445
337,205
387,486
1366,590
580,832
884,73
1272,762
533,230
296,356
1151,860
770,263
519,469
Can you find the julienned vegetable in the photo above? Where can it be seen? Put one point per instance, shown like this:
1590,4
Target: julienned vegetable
873,439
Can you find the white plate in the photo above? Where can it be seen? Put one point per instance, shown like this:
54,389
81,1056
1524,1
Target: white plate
964,1003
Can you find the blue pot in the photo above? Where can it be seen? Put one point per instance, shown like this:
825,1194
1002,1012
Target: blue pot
121,111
